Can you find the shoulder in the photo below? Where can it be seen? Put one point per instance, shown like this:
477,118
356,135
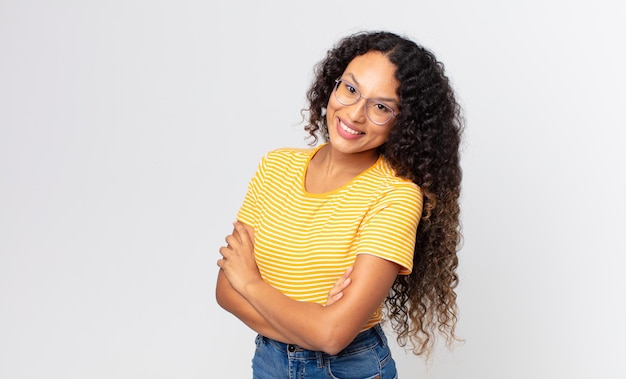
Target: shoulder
392,184
288,153
285,159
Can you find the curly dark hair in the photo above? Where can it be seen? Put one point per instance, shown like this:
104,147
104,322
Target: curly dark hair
423,146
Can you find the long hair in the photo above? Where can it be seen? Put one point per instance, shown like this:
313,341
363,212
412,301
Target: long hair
423,146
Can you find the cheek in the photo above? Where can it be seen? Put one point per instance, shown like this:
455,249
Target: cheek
385,134
331,106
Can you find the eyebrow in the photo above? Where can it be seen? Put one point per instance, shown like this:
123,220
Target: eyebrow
386,99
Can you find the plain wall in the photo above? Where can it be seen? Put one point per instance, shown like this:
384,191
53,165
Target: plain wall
129,131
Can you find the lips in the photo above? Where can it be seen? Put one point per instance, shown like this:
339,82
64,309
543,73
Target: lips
349,130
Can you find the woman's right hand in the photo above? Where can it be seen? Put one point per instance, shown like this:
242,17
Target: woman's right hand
336,292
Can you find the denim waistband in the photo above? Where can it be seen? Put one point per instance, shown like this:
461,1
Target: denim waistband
364,340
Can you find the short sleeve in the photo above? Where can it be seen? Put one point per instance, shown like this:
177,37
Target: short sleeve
388,230
248,213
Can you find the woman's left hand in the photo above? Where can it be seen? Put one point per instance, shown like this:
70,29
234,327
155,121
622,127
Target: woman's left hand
237,260
336,292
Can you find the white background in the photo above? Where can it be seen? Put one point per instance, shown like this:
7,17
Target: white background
129,131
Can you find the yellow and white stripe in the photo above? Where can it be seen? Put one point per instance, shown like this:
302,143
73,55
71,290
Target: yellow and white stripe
304,241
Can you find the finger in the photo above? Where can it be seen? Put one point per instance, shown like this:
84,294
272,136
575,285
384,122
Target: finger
334,295
337,296
344,280
236,234
347,273
240,228
228,236
339,287
231,240
342,283
225,251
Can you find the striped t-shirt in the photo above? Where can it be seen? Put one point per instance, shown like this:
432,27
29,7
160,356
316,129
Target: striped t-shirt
304,241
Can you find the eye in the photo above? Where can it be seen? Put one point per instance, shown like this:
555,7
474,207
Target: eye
382,108
350,88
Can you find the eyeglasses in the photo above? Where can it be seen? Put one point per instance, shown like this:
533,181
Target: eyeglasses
378,112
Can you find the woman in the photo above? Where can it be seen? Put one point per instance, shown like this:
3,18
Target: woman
377,201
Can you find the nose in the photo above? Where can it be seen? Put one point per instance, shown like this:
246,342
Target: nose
358,110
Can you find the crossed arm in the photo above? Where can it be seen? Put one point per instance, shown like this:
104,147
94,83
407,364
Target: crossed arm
241,291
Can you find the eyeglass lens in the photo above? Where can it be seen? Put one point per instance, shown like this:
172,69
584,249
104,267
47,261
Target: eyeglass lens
377,112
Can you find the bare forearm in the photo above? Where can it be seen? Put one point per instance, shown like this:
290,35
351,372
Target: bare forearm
233,302
309,325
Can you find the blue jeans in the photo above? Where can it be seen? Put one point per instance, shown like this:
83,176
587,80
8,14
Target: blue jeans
368,356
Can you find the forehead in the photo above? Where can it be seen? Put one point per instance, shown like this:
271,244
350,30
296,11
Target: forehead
374,73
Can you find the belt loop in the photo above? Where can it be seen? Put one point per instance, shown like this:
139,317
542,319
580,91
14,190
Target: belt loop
381,334
320,359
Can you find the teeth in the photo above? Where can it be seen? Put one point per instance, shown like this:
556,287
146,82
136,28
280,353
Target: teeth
345,128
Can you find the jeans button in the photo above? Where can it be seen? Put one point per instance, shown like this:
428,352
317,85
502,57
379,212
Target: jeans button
291,348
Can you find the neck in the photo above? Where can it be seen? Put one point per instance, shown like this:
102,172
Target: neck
330,169
354,163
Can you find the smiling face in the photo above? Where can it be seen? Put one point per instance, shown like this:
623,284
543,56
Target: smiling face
349,128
